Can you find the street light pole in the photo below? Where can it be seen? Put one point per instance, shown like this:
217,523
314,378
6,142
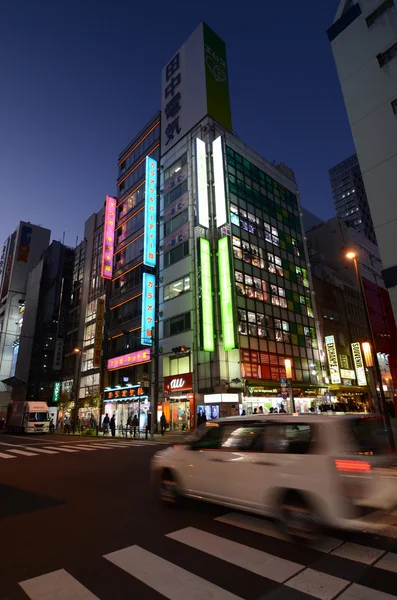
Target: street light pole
382,405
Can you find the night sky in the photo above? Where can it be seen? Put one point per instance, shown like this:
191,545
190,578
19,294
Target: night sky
80,78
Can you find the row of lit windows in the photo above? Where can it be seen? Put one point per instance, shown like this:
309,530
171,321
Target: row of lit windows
140,149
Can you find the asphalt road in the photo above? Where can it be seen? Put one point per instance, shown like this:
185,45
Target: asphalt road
79,522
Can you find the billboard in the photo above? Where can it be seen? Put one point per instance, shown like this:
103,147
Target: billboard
226,297
24,244
206,296
148,308
150,232
219,182
128,360
108,238
332,359
202,184
194,83
359,363
100,315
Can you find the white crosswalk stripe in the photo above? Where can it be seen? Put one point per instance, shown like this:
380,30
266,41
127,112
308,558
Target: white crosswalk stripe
58,585
41,450
80,447
22,452
61,448
6,455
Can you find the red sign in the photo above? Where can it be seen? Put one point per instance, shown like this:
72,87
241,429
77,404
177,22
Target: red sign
108,238
178,383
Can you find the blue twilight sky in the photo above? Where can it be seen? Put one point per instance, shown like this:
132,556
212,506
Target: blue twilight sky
80,78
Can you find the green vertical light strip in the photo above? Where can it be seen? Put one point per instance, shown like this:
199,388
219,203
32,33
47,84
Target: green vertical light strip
206,296
225,286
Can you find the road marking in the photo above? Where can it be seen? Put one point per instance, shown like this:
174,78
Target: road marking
57,585
359,592
388,562
79,447
256,561
60,449
168,579
6,455
325,544
317,584
358,553
22,452
41,450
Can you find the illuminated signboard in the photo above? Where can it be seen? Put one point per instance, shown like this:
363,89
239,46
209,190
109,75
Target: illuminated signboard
332,359
57,391
148,308
219,181
133,358
108,238
100,315
24,244
225,293
124,392
150,233
347,374
358,363
206,296
202,184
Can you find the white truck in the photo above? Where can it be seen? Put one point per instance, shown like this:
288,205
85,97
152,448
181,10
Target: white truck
28,417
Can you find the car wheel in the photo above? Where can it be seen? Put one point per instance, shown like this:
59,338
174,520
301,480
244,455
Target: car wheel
297,518
169,490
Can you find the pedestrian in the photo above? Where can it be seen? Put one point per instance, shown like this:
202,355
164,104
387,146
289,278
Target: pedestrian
282,409
255,411
52,426
135,424
243,413
129,426
163,423
113,426
271,410
105,424
261,410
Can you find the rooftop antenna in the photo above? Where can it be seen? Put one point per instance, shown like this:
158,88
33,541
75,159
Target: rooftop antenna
63,238
77,240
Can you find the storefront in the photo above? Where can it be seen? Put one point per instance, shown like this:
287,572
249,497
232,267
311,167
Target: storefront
258,399
178,403
126,402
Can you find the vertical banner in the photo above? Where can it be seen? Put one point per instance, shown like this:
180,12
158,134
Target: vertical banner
202,184
206,296
359,363
226,298
216,75
332,359
100,315
57,391
150,232
148,308
219,182
108,238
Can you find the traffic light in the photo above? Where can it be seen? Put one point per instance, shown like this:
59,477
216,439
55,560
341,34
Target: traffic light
180,349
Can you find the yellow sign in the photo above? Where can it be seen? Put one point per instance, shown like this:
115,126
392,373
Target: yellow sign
359,363
332,359
100,315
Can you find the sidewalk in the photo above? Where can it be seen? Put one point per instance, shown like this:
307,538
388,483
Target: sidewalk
172,437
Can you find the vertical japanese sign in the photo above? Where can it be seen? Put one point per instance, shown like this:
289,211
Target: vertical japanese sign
206,296
219,182
24,244
100,315
57,391
150,234
332,359
202,184
108,238
148,308
172,100
359,363
226,298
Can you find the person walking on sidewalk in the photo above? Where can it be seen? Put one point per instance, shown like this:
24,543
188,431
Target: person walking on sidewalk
163,423
105,424
113,426
135,424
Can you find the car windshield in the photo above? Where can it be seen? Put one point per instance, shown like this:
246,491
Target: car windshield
370,435
38,417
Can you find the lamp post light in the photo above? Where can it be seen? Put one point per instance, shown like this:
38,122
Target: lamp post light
288,372
370,353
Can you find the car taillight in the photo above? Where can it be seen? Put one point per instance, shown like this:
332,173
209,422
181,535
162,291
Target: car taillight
352,466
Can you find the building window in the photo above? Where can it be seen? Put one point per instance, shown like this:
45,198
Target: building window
176,193
174,289
176,222
176,254
388,55
174,168
394,106
382,8
177,324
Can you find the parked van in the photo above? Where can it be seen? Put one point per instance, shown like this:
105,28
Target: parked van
305,470
27,417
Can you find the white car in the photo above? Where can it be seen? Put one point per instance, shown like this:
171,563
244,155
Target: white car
305,470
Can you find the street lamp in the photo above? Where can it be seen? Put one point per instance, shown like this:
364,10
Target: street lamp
372,356
288,372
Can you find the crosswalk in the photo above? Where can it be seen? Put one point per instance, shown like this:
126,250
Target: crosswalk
9,450
235,569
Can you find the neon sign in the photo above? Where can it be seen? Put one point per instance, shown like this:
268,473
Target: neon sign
108,238
206,296
150,234
148,308
219,182
133,358
225,293
202,184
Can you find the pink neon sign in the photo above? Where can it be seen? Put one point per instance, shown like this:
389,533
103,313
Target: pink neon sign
133,358
108,238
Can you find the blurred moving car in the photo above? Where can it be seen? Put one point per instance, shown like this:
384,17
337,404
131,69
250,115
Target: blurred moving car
307,471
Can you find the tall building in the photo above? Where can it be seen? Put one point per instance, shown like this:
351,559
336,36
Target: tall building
42,325
364,43
21,251
349,195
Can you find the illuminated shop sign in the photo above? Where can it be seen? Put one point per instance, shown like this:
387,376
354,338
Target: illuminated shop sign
148,308
226,299
347,374
57,391
219,182
24,244
126,360
332,359
206,296
124,393
100,315
108,238
178,383
150,233
202,184
358,363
